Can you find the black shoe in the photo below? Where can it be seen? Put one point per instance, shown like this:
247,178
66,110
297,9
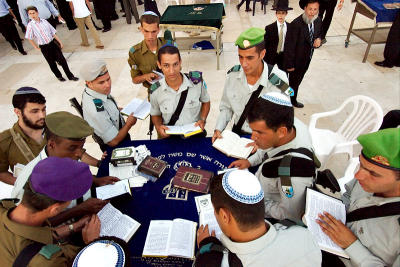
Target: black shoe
297,104
73,78
383,64
98,28
124,15
61,79
323,41
237,7
14,47
140,3
248,10
23,52
73,28
114,16
106,30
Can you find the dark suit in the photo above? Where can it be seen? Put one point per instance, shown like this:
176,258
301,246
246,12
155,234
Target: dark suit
392,47
299,50
271,39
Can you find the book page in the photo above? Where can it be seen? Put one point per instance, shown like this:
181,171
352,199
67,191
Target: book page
121,172
232,145
139,108
113,190
182,238
156,243
317,203
206,214
183,129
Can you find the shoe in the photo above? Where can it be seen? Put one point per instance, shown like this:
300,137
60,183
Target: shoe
297,104
61,79
237,7
140,3
383,64
86,45
106,30
23,52
323,41
73,28
100,46
73,78
124,15
14,47
114,17
248,10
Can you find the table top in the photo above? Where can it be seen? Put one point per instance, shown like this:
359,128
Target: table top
200,15
383,14
150,203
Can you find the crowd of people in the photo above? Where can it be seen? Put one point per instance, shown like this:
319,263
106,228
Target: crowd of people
52,213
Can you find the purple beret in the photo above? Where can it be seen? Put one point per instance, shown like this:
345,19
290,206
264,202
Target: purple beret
61,179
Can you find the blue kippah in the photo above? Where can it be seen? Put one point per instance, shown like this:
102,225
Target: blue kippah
27,90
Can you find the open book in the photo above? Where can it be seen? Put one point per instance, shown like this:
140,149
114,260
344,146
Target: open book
114,223
113,190
206,214
170,238
317,203
185,130
140,108
233,145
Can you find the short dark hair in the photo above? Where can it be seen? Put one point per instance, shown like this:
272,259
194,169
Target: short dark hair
168,49
149,19
36,202
247,216
311,2
272,114
31,8
19,101
259,47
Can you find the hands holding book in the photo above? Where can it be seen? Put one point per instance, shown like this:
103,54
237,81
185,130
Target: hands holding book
201,123
92,206
217,134
339,233
203,233
105,180
131,120
161,131
91,230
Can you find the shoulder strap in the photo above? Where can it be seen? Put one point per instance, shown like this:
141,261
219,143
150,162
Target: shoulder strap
178,110
388,209
22,146
26,255
270,67
301,150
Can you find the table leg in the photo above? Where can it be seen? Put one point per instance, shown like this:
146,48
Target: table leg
346,42
218,47
254,6
371,39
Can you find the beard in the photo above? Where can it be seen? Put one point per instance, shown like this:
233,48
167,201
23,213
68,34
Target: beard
307,20
33,125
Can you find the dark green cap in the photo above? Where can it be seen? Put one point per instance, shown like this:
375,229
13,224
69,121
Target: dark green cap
67,125
250,37
382,148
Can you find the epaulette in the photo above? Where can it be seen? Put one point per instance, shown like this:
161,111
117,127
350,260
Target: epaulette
235,68
134,48
49,250
98,103
154,87
196,76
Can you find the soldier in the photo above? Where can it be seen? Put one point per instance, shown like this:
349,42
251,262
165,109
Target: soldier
100,109
244,82
177,99
26,235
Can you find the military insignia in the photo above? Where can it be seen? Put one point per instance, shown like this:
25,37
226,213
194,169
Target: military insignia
134,67
289,92
154,87
235,68
98,104
381,159
132,50
288,191
361,231
198,8
195,76
246,43
49,250
204,85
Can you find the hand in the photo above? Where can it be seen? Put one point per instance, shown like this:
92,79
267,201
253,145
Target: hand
91,206
340,5
104,155
150,76
241,164
91,230
131,120
61,45
336,230
216,135
81,223
161,131
60,19
203,233
104,180
254,145
200,123
317,42
290,70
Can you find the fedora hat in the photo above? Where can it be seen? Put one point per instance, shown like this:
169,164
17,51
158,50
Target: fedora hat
282,5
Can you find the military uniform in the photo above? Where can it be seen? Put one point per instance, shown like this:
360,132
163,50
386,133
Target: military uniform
237,93
102,113
14,237
10,154
141,60
164,100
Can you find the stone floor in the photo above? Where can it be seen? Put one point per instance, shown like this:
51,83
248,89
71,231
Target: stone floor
335,74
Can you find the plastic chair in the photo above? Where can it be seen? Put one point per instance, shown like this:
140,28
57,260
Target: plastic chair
366,117
349,173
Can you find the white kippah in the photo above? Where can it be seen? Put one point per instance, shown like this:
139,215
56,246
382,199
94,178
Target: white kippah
242,186
150,13
101,253
277,98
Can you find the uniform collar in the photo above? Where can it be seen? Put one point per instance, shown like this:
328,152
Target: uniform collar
95,94
144,47
251,247
186,83
263,80
19,130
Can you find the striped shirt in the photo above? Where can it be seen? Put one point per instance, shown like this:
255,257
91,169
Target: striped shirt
41,31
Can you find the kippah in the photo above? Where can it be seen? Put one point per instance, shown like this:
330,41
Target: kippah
242,186
27,90
277,98
101,253
150,13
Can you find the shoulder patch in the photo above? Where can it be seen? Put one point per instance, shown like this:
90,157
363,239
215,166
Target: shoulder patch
132,50
154,87
235,68
196,76
98,104
49,250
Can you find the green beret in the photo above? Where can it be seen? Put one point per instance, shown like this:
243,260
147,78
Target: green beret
250,37
382,148
67,125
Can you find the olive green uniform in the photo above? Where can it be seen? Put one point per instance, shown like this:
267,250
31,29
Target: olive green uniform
14,237
10,154
142,61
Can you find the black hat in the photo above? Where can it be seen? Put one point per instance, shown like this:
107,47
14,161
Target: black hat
303,3
282,5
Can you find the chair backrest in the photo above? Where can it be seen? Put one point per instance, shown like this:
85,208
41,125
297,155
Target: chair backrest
366,116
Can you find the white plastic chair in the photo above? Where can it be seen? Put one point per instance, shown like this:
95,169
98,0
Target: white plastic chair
366,117
351,170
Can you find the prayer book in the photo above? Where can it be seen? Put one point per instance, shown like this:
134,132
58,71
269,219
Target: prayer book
185,130
139,107
170,238
152,168
114,223
206,214
159,77
193,179
123,156
233,145
113,190
317,203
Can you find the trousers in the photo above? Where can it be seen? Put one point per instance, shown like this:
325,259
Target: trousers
10,33
80,22
53,54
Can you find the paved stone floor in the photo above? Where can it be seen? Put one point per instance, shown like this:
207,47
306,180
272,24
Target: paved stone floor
335,73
